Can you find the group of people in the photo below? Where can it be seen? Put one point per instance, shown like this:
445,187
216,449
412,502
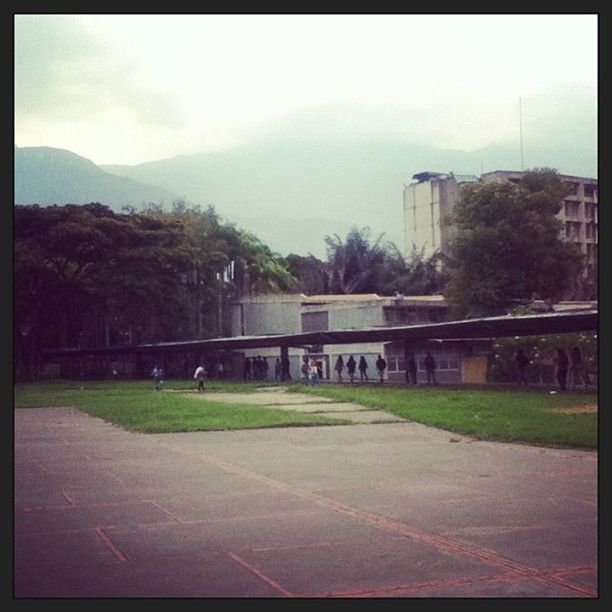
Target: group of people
381,366
572,366
256,368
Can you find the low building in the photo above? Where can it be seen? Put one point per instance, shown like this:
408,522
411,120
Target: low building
458,361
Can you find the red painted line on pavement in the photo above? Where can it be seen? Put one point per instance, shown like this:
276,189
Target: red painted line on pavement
437,540
69,498
261,575
437,584
107,541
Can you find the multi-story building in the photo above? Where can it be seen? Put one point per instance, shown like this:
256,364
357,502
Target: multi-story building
429,201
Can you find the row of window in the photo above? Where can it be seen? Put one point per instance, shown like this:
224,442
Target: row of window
398,364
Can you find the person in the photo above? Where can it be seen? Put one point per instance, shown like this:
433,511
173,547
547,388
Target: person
200,375
305,369
430,369
157,377
522,361
350,367
247,369
561,362
381,365
363,369
412,370
264,368
220,370
277,369
285,369
339,367
313,372
578,375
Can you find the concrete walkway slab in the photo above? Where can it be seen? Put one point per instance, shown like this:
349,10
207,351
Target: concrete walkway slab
277,397
377,511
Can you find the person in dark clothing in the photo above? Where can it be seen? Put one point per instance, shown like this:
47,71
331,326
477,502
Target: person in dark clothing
339,367
350,367
412,370
577,372
430,369
277,369
561,362
363,369
381,366
522,361
247,369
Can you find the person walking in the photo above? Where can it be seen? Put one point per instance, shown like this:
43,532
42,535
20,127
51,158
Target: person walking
305,369
522,361
561,362
200,376
381,366
412,370
157,374
339,367
350,367
430,369
363,369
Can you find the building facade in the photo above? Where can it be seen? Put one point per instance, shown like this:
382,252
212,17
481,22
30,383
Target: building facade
428,203
457,361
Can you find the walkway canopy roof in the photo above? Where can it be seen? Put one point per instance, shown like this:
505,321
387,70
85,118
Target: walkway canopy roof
489,327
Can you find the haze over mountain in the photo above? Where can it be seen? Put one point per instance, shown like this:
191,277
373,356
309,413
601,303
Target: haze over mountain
291,193
45,175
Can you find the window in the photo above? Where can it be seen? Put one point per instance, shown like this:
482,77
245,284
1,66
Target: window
315,321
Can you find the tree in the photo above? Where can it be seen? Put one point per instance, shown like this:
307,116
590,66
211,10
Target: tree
507,245
359,264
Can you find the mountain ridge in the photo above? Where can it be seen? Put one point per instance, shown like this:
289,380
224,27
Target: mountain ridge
291,193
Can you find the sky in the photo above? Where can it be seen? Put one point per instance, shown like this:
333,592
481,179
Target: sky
128,89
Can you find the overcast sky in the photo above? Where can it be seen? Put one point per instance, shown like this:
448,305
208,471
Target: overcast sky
127,89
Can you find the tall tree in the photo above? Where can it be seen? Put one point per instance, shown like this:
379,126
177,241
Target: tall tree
507,245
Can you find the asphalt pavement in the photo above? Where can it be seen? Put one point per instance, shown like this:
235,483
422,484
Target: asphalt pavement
370,510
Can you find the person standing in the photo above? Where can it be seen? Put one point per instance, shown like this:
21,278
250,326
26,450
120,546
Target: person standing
363,369
313,372
350,367
200,376
277,369
577,373
247,369
522,361
561,362
412,370
381,366
339,367
430,369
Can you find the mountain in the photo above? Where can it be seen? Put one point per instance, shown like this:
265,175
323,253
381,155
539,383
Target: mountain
290,193
44,175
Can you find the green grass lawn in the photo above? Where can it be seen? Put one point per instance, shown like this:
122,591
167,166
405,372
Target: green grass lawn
138,407
505,415
511,415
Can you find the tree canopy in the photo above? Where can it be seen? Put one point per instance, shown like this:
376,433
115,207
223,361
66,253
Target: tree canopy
508,246
360,264
86,276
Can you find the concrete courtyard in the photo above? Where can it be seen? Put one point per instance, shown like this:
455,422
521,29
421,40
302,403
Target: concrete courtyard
374,509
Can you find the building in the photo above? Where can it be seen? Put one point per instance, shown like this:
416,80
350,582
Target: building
429,200
457,360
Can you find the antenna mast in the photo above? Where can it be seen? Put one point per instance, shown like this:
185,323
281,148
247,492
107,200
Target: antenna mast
521,129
